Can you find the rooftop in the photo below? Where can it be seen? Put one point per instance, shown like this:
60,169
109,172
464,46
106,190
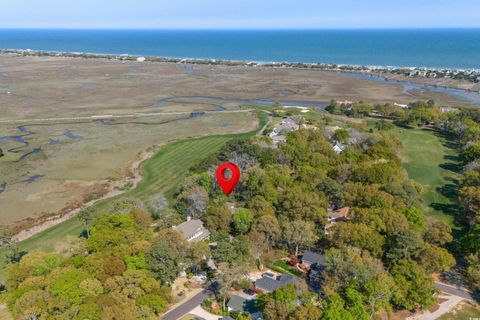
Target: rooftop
340,213
193,230
269,284
311,257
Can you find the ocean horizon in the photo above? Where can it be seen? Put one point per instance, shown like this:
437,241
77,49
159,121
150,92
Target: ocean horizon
432,48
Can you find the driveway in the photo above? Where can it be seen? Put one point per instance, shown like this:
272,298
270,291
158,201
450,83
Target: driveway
190,304
454,291
198,311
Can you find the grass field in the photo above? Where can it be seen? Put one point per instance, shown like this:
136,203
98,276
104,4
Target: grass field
430,160
465,313
162,173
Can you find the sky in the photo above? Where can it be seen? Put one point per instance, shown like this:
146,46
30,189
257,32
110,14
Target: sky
239,14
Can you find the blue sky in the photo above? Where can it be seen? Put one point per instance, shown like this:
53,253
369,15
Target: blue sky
239,14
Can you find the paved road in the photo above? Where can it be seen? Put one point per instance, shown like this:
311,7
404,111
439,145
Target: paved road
188,306
459,292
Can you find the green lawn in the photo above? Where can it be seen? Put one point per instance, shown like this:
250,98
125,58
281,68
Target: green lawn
430,160
162,173
465,313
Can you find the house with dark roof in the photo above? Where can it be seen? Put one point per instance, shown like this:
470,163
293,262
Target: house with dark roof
193,230
268,284
310,258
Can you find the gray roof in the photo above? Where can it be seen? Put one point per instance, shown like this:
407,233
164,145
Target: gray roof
192,227
312,258
268,284
242,304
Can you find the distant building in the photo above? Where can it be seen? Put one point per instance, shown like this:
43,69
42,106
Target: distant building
193,230
141,59
267,283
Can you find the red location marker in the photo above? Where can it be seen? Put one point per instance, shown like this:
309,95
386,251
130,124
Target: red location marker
228,185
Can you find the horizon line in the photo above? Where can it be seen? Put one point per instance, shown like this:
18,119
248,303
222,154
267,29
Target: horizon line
238,29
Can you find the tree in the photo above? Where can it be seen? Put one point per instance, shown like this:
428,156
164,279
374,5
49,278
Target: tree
167,219
300,204
405,244
198,253
341,135
358,235
298,233
415,287
435,259
260,206
196,200
469,197
473,270
378,293
157,204
335,309
415,217
267,228
86,216
242,221
384,125
166,255
228,275
218,217
438,233
279,304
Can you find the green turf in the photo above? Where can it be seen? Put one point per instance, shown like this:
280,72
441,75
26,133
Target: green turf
430,160
162,173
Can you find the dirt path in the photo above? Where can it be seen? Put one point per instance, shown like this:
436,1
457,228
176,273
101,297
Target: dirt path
113,190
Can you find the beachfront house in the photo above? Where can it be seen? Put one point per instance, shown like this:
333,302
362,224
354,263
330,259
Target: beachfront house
193,230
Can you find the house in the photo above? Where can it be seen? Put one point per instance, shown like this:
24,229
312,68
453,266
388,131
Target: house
141,59
267,283
334,216
193,230
312,258
245,304
341,214
338,147
287,125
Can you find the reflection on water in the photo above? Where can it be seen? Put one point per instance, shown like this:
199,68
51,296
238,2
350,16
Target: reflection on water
468,96
33,178
70,135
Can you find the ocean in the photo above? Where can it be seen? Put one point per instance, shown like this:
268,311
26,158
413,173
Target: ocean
434,48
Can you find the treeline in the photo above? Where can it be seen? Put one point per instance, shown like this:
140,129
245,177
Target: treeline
419,113
465,127
381,260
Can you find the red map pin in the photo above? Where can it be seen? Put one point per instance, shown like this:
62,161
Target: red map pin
228,185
